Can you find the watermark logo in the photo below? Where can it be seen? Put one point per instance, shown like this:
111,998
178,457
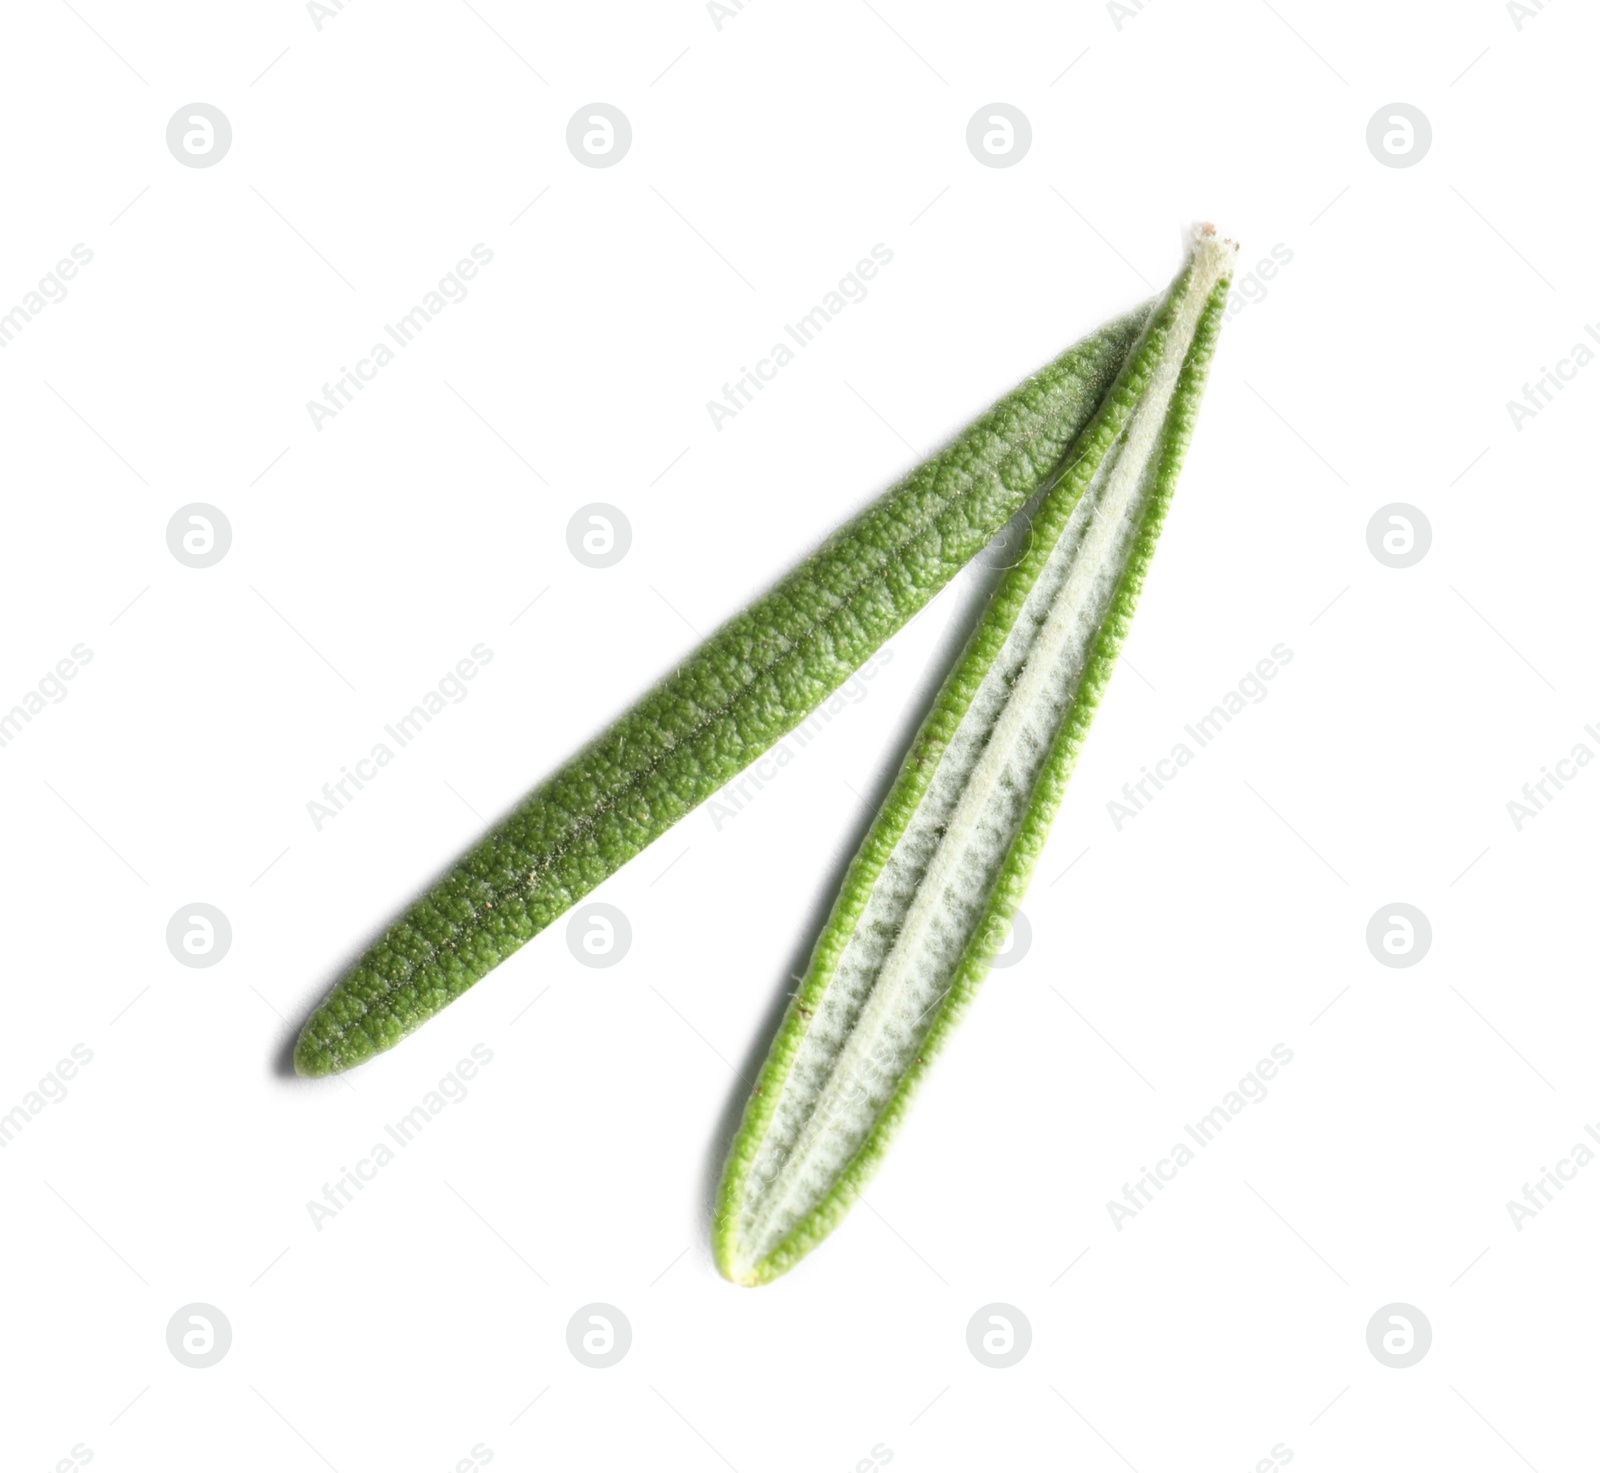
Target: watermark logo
1251,287
1399,1335
199,535
1250,1090
451,690
50,1090
724,10
199,935
1008,546
599,135
1249,690
52,287
1399,135
199,135
1122,11
599,935
51,688
1538,1194
402,332
1399,535
320,11
1541,393
733,799
1524,10
599,535
451,1089
199,1335
1543,790
599,1335
1399,935
999,135
1018,939
802,332
999,1335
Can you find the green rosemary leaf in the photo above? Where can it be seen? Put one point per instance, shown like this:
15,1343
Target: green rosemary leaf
939,876
752,682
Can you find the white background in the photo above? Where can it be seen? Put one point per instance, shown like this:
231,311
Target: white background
369,556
